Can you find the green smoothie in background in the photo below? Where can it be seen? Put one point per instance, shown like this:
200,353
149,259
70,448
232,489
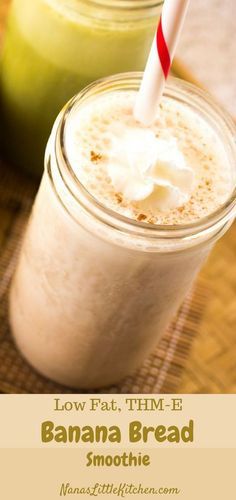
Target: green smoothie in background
54,48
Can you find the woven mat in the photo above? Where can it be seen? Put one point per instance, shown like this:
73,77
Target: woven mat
160,373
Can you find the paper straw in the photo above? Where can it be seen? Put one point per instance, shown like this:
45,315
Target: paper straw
160,59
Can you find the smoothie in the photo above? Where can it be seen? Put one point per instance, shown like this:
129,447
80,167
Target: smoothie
54,48
124,218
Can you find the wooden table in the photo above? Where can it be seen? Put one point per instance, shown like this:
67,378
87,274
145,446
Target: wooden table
211,367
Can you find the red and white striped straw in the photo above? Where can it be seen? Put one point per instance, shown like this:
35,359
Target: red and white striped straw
160,59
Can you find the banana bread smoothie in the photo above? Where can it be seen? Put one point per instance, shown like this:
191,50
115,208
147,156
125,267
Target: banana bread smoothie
124,218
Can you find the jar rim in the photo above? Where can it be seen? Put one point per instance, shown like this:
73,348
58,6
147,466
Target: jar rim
126,4
180,90
115,11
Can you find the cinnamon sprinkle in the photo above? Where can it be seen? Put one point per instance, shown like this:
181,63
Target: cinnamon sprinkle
141,217
118,197
95,157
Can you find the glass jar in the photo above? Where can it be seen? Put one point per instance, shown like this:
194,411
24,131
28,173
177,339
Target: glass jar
53,49
94,290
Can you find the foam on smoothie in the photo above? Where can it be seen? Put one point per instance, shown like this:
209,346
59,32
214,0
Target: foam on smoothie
180,172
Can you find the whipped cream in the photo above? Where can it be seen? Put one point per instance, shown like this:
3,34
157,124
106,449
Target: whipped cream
144,168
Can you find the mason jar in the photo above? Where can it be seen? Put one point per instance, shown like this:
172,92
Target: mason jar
94,290
53,49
